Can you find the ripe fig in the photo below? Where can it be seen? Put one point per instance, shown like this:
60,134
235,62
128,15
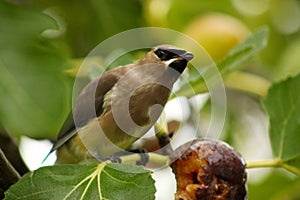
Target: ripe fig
207,169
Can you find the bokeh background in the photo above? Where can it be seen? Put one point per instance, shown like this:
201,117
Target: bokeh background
42,44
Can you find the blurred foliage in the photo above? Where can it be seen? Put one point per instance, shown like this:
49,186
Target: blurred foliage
276,186
236,58
89,23
42,41
35,94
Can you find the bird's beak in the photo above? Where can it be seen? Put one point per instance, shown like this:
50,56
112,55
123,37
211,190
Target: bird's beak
187,56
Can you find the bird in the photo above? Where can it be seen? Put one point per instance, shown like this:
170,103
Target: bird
120,106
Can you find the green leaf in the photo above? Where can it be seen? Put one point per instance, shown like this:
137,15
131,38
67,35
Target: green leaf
124,58
98,20
244,52
92,181
276,186
283,104
237,58
35,92
289,61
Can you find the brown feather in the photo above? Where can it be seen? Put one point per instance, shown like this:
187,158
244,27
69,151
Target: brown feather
123,102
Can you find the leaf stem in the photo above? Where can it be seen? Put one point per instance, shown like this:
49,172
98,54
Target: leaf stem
291,169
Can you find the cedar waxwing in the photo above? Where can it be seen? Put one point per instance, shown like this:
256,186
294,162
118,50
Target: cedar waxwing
120,106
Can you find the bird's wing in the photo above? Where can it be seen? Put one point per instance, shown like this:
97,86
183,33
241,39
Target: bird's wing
88,95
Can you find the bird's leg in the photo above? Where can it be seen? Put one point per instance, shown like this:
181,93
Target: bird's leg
141,152
164,143
164,133
144,156
140,156
113,158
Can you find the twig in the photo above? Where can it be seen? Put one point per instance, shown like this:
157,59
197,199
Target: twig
8,175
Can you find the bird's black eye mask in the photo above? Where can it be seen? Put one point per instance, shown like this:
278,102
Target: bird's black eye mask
165,55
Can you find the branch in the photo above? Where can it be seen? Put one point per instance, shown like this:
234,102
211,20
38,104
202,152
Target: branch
11,152
8,175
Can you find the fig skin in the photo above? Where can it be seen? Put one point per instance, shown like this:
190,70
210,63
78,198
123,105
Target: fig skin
207,169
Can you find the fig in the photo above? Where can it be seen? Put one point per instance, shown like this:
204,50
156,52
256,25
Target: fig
207,169
217,33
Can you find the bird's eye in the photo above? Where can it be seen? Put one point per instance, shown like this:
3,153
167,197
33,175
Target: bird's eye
165,54
161,54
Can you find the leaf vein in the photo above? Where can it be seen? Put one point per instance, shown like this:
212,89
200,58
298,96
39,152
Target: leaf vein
79,184
120,181
284,126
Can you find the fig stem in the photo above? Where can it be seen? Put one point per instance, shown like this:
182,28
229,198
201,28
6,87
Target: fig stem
276,163
263,163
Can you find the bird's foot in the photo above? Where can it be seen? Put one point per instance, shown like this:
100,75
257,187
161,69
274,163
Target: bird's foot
144,156
113,158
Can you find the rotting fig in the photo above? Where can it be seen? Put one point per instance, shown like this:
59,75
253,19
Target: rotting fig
207,169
